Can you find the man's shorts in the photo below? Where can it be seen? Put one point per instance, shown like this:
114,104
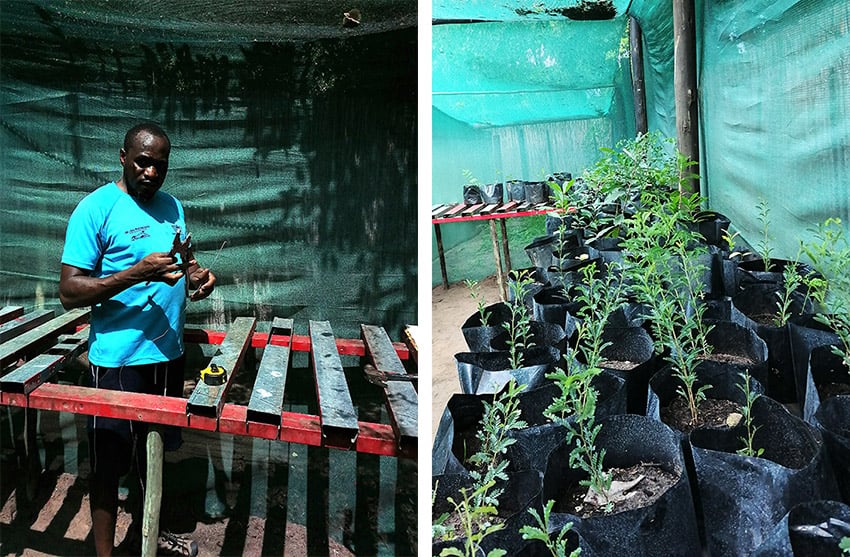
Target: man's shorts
111,440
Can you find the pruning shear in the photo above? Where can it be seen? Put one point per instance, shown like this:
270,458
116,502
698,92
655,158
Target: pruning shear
184,250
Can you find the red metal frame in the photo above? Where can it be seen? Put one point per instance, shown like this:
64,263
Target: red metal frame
304,429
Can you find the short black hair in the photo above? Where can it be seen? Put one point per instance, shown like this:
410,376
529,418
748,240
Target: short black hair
145,127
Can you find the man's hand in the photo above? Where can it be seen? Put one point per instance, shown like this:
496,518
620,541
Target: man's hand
158,266
77,288
201,280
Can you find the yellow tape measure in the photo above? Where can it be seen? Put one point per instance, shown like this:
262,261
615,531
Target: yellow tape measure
214,375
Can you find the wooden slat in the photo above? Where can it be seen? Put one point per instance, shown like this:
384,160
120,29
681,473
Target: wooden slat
10,312
509,206
472,209
456,210
488,209
336,411
207,400
401,397
20,345
266,404
440,210
411,340
24,323
41,368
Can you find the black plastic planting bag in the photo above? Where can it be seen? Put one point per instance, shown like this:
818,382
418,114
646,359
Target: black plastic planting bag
536,192
805,337
456,433
759,303
731,339
540,334
471,194
832,419
551,306
516,190
714,227
477,335
492,193
742,497
811,529
723,378
489,372
825,368
666,527
557,221
630,356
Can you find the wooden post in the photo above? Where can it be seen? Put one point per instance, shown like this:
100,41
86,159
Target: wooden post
685,85
638,81
442,256
153,493
500,280
505,247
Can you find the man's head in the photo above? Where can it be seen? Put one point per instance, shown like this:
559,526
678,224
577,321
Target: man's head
144,158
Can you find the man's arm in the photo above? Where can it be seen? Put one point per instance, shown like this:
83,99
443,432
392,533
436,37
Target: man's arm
77,288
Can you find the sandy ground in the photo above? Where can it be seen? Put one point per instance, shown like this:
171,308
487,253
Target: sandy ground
57,523
449,309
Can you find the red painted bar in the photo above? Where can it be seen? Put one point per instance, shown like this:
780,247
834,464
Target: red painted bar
304,429
155,409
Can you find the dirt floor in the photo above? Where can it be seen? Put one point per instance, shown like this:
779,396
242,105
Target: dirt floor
449,309
231,495
56,522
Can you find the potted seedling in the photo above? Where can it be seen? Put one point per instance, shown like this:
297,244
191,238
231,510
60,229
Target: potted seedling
523,349
605,509
471,190
752,473
467,519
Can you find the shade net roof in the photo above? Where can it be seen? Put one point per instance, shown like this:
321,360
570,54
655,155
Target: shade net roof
521,91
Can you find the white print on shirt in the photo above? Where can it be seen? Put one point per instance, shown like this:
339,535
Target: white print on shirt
138,233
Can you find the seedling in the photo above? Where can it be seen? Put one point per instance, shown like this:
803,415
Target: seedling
830,255
475,522
519,326
479,505
750,397
470,177
575,408
475,291
729,238
558,546
764,246
666,276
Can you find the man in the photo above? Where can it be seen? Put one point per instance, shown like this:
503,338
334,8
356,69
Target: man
118,259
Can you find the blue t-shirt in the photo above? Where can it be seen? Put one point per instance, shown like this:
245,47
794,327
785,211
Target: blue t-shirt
110,231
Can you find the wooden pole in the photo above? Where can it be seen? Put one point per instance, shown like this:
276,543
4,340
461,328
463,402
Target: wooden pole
153,493
498,257
685,85
442,256
505,247
638,80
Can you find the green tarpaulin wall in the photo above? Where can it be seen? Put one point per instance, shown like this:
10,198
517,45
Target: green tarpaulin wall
520,91
294,147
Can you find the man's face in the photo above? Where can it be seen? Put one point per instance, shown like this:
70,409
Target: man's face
145,165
